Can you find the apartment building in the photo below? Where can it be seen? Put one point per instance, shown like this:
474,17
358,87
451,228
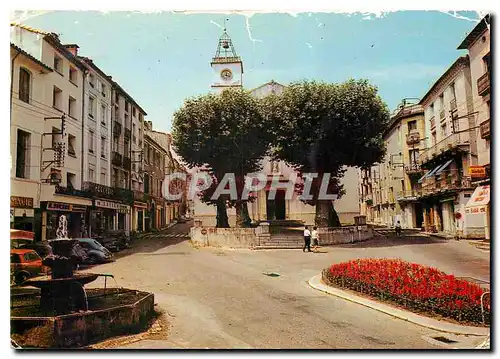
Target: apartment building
451,148
29,107
155,160
477,42
388,190
61,141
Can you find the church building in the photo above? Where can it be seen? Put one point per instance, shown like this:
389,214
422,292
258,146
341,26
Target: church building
227,69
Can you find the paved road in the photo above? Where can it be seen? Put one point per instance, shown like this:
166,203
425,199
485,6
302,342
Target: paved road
220,298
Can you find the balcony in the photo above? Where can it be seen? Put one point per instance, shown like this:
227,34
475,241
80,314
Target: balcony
453,105
484,129
100,191
127,163
128,133
70,191
433,122
117,128
408,196
141,196
483,84
444,185
413,138
116,159
413,169
451,143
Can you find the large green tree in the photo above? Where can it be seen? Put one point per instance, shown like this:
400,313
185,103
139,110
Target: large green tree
223,133
323,127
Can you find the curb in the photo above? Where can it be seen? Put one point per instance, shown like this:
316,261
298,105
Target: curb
316,283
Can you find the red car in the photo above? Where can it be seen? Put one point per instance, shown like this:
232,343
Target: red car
26,263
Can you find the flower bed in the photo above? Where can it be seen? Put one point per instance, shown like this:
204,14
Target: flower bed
413,286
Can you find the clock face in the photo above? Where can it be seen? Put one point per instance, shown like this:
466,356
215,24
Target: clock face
226,74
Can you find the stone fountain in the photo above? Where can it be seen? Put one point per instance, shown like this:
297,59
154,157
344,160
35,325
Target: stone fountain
64,291
63,314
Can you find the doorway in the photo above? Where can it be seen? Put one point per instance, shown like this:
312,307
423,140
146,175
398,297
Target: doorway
419,215
276,209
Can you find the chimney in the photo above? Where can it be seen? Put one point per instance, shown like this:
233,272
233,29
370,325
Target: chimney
73,48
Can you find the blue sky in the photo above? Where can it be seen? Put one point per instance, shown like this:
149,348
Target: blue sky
163,58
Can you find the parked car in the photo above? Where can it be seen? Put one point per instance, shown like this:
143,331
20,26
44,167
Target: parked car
95,251
43,248
26,263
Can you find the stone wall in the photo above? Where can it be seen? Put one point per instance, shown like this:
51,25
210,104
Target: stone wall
351,234
224,237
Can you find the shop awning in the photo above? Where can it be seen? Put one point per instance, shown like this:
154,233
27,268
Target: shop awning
442,168
479,200
428,174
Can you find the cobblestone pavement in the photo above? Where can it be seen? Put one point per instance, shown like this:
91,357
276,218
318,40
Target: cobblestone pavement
221,298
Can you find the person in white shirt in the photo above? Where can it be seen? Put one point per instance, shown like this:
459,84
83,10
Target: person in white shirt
307,240
315,238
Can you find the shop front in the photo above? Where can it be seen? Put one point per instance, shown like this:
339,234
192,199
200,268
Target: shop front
108,216
22,213
76,216
138,214
477,213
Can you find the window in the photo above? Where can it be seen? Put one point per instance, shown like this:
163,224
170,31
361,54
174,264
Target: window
73,76
126,148
126,106
71,107
412,126
91,107
452,89
444,130
146,183
103,115
103,177
134,111
57,98
70,180
24,85
56,136
58,64
103,147
115,143
91,80
91,175
413,157
103,89
434,139
116,179
91,141
71,145
141,117
22,154
486,63
134,139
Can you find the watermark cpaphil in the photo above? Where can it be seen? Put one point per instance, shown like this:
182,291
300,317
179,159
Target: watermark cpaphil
175,185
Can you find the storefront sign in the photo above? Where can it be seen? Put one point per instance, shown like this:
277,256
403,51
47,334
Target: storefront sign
477,171
77,208
107,204
21,202
124,209
56,206
140,205
24,212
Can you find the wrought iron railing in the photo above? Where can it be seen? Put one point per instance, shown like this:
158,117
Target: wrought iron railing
453,141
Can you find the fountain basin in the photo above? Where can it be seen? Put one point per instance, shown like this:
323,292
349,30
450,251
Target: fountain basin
111,312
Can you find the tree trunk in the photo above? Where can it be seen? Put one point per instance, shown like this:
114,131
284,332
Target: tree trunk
322,214
242,216
326,216
222,220
333,217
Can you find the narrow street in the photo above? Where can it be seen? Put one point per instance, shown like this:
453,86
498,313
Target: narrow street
221,298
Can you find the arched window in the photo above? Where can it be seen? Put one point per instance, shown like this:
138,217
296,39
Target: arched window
24,85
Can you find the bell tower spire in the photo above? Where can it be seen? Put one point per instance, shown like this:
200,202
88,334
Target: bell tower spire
227,66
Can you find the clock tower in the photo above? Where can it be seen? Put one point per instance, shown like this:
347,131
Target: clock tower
227,66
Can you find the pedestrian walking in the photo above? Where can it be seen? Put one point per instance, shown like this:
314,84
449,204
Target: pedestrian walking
398,229
307,240
315,239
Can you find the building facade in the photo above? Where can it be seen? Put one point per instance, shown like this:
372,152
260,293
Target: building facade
477,43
